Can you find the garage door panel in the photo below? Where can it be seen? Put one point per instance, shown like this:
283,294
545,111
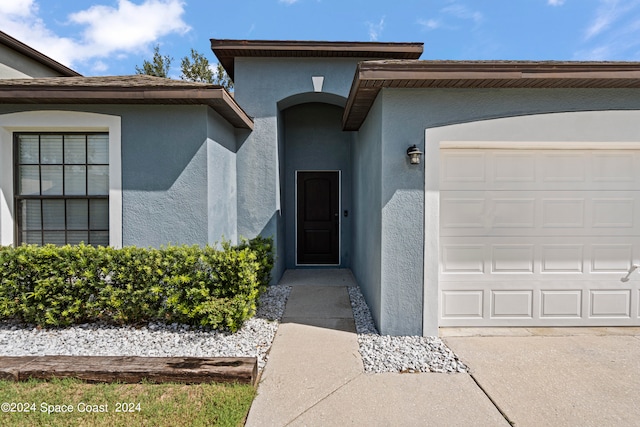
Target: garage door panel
561,212
513,166
512,212
540,322
610,304
615,167
559,167
464,212
513,304
463,258
561,304
539,237
462,304
512,258
562,258
543,304
534,213
615,212
611,257
466,166
539,169
537,258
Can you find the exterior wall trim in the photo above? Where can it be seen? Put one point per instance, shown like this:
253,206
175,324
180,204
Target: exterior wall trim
59,121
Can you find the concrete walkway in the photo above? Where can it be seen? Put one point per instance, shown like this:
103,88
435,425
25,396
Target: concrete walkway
315,377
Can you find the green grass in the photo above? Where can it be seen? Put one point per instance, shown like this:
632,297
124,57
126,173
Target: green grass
159,404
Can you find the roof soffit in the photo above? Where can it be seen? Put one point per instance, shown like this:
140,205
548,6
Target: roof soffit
227,50
372,76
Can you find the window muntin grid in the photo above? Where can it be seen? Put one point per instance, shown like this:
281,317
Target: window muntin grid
62,188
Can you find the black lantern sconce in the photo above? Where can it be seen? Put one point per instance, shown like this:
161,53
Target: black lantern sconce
414,154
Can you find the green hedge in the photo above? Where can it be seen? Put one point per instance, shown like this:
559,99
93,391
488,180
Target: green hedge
63,285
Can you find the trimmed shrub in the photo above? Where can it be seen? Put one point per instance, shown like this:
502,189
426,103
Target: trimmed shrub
58,286
263,247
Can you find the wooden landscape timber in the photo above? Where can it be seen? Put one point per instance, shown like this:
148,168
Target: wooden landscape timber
132,369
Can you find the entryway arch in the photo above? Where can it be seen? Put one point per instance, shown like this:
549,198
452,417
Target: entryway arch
315,175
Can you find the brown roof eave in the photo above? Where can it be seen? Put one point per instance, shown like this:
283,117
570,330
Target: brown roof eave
373,75
352,99
218,99
268,47
227,50
522,66
241,119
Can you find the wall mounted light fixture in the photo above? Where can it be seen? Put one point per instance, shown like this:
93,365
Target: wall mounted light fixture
414,154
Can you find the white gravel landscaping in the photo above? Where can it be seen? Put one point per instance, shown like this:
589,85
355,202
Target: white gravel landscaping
384,353
379,353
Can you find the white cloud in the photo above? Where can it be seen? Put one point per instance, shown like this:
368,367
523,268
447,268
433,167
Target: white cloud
599,53
288,1
107,31
451,17
606,14
130,26
555,2
609,12
17,7
614,33
29,29
430,24
375,29
463,12
100,67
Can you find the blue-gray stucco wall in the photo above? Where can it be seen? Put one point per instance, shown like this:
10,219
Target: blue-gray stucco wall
314,140
178,172
402,115
367,212
222,194
264,87
164,176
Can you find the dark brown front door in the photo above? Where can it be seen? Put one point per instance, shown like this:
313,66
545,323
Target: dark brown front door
318,220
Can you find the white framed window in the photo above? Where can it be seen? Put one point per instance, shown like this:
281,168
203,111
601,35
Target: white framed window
57,196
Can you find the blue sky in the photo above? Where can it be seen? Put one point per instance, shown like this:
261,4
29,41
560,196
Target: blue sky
111,37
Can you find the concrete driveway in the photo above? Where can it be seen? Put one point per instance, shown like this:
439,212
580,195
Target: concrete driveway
556,377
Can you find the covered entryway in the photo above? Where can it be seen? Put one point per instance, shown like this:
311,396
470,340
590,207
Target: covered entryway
315,156
537,218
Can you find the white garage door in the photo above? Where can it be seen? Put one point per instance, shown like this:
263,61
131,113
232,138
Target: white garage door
539,237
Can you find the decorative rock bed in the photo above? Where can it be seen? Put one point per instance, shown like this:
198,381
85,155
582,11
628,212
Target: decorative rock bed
379,353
